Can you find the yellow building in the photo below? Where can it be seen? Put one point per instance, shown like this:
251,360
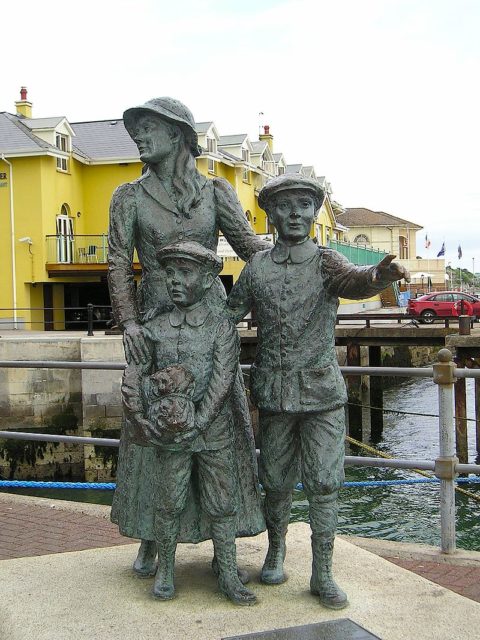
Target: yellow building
397,236
56,182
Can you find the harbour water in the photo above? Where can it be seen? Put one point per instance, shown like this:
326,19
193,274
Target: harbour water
401,513
407,513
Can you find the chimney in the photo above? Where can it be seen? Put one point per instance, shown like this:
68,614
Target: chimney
23,106
267,136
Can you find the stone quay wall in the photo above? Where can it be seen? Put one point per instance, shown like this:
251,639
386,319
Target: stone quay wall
85,402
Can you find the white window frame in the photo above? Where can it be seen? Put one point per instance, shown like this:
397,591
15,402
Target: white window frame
211,145
246,160
65,239
62,142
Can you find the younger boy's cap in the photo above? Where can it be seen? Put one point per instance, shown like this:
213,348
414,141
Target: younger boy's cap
191,251
286,182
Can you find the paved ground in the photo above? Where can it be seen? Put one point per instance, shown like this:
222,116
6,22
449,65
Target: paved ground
38,526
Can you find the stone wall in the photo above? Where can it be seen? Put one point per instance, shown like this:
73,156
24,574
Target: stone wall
88,402
59,401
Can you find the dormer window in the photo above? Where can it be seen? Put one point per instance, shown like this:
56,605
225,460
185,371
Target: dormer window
61,142
246,160
211,145
211,149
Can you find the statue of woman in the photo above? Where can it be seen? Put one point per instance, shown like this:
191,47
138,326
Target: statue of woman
170,202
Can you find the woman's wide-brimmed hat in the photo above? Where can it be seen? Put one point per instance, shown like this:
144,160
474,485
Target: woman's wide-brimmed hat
168,109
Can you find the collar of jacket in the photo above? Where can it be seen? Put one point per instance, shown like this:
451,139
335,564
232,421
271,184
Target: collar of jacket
297,253
194,317
154,187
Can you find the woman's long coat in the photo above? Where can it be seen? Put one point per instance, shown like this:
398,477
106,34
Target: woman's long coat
144,218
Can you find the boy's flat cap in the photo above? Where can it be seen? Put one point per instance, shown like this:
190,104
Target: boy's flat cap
191,251
288,182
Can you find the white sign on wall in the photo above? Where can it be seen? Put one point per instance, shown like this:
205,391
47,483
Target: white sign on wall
224,250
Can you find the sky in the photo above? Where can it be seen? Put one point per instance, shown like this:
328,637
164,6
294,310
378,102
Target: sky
380,96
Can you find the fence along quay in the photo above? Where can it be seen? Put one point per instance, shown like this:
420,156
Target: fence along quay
446,467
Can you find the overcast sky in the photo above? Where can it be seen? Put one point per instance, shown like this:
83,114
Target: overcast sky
381,96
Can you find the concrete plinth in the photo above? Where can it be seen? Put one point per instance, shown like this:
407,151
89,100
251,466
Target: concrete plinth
93,594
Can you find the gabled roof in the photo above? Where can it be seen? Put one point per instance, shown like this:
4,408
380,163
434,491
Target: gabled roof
42,123
229,156
293,168
203,127
258,147
104,140
278,157
361,217
16,138
233,140
308,172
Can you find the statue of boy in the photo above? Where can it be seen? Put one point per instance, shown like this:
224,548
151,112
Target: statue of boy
180,402
295,381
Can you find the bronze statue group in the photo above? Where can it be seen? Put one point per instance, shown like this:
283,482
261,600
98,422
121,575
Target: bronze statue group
187,467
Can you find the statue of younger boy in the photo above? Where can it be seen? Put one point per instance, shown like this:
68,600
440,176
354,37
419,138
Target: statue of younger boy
180,402
296,381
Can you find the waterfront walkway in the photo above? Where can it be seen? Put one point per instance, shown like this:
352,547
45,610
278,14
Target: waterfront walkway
39,526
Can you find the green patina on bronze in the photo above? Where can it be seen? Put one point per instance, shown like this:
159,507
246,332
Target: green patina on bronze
294,290
172,202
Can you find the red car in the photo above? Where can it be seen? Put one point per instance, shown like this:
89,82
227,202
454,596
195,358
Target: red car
443,303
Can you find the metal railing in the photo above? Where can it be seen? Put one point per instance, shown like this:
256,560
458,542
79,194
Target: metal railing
78,249
61,318
358,254
445,467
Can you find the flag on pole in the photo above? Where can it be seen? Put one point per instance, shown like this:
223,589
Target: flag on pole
460,254
442,251
427,242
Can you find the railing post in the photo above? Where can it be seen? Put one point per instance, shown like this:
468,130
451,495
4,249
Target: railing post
445,464
89,319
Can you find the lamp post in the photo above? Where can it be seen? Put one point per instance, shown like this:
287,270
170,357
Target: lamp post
473,275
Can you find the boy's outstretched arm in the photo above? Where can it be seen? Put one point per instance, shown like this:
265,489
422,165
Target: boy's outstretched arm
346,280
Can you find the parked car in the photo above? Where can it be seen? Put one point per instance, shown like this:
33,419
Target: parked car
443,303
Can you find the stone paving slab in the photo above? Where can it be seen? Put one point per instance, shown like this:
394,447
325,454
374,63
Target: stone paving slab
93,594
39,526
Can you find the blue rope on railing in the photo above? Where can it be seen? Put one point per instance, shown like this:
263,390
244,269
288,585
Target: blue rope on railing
37,484
110,486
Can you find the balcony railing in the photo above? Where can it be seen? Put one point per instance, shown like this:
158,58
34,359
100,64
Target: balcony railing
358,254
77,249
89,249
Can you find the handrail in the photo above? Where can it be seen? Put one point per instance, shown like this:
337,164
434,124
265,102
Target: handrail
445,467
350,461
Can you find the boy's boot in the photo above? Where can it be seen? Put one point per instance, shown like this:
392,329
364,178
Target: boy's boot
223,536
166,534
145,565
277,514
243,574
323,522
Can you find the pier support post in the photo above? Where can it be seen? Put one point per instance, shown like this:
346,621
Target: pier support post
354,388
376,394
477,413
460,414
445,463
